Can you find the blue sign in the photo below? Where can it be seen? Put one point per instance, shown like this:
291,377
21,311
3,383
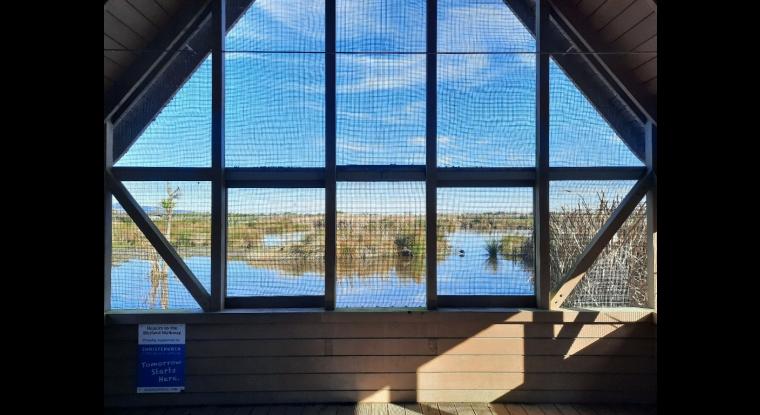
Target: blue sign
161,358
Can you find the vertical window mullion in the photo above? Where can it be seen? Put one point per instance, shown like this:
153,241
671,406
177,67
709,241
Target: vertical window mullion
431,160
218,188
330,156
541,189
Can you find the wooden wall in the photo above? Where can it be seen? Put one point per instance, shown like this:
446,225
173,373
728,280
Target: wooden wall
498,356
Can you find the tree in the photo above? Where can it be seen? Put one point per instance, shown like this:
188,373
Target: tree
159,273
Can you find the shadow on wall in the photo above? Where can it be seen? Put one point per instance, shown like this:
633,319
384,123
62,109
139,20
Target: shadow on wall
403,357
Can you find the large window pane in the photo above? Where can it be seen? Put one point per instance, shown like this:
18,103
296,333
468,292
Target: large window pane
275,242
275,110
485,244
486,110
139,276
278,26
381,244
618,276
380,25
380,109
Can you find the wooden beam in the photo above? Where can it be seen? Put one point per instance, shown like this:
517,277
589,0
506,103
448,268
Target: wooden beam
574,275
107,211
132,117
541,189
218,188
431,158
330,156
651,158
159,242
588,41
621,117
151,60
162,174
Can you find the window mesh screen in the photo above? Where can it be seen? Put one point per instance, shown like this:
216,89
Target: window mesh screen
485,242
275,242
380,107
380,25
140,279
486,110
182,213
180,135
275,110
578,211
278,26
578,135
381,244
481,26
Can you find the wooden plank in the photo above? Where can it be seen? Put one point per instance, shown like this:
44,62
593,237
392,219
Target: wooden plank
445,408
532,409
313,409
587,7
247,398
463,408
638,33
412,409
405,347
584,409
111,68
243,410
170,6
450,316
428,408
403,364
159,242
648,46
376,408
576,272
403,330
628,347
480,408
132,18
646,71
608,11
549,409
625,20
515,409
404,381
121,33
567,409
151,11
396,409
498,409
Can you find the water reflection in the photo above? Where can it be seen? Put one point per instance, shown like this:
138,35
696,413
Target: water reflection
271,269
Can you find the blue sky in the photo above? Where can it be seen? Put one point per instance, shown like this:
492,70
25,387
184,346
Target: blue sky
275,101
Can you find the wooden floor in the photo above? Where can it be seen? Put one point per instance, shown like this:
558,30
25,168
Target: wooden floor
399,409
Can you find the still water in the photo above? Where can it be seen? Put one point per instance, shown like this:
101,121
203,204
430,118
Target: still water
395,282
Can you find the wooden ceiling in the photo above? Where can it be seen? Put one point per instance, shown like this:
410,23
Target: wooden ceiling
625,32
128,27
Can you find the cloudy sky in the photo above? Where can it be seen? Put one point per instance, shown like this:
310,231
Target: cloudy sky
275,84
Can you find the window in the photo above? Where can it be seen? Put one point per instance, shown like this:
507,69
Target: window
326,191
